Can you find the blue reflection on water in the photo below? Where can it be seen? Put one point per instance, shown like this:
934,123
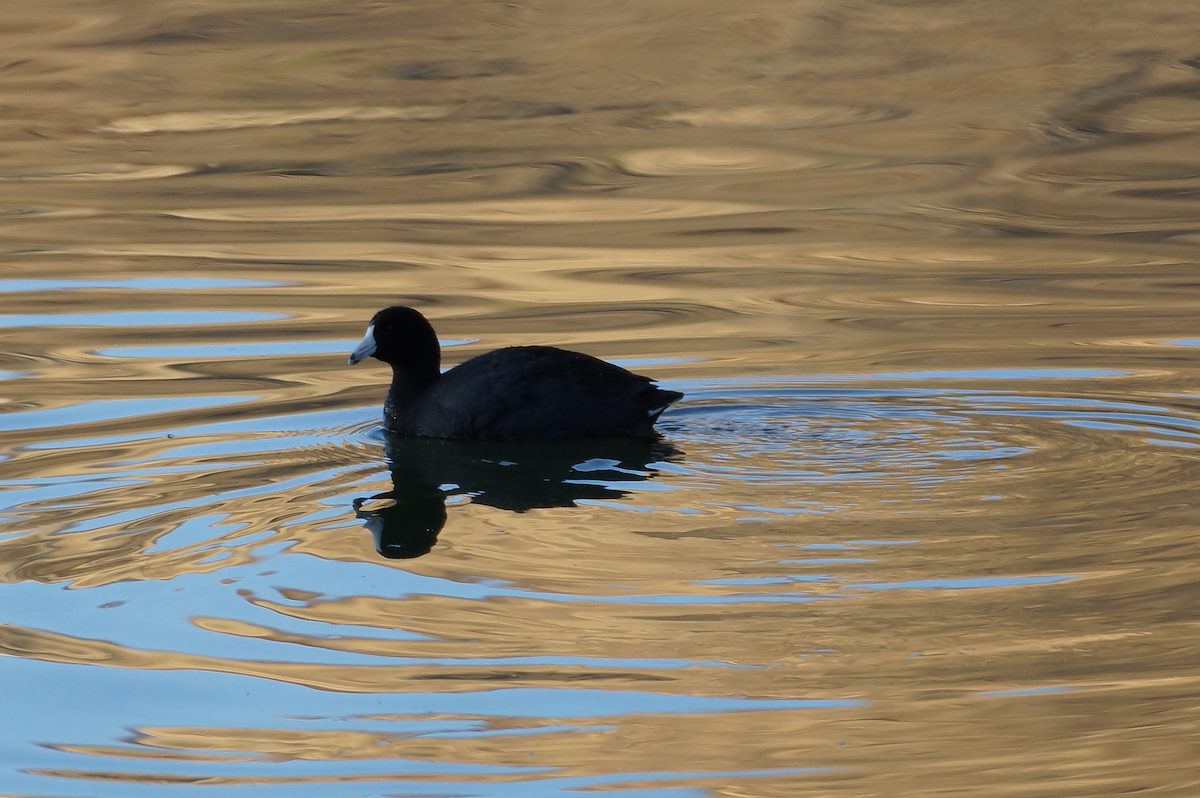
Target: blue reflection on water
276,702
110,409
640,362
147,621
148,702
315,423
137,318
94,697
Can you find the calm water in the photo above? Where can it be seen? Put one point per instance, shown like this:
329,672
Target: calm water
925,523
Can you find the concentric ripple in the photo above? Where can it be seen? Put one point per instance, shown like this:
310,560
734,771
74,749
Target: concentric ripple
831,449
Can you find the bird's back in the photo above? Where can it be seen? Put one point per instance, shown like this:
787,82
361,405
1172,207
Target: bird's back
533,393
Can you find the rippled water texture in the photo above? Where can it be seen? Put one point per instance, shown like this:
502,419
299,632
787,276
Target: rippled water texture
925,522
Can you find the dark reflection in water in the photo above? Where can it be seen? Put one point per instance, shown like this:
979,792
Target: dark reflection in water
509,476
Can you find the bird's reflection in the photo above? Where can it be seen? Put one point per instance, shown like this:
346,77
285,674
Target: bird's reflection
406,520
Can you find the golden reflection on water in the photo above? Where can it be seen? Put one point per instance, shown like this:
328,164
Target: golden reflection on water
925,272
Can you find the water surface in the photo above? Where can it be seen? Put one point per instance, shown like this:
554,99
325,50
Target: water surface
924,521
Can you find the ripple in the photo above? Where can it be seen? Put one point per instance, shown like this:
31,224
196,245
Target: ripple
454,69
601,316
1162,112
974,583
133,283
790,436
779,117
199,121
108,410
242,350
138,318
905,441
95,173
698,161
524,210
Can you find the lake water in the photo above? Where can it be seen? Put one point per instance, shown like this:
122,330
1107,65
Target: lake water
925,522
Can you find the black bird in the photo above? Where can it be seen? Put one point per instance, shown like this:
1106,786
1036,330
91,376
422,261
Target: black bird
519,393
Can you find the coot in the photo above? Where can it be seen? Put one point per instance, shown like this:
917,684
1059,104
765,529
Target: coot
519,393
